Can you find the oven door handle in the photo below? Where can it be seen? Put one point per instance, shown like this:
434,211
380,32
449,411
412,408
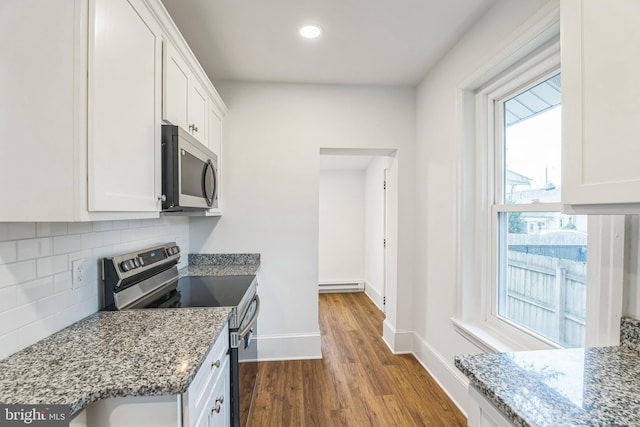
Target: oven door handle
245,331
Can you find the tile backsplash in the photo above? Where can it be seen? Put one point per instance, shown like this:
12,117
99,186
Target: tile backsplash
37,294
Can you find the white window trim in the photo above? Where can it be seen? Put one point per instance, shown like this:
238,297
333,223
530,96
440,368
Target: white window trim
536,45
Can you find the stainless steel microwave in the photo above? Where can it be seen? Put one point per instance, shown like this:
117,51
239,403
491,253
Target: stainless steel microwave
189,172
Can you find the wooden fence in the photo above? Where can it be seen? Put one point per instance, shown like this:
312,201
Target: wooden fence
546,295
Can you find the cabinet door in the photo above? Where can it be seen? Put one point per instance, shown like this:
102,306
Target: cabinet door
124,107
175,100
215,129
219,414
41,81
600,102
198,112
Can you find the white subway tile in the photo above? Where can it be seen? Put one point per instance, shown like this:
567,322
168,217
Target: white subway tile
68,316
62,281
8,252
136,223
111,237
34,290
47,229
35,331
17,230
34,248
79,227
82,294
12,320
91,240
67,243
10,274
9,344
52,265
103,225
8,298
121,225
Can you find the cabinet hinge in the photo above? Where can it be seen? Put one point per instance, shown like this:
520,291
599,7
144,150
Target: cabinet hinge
384,243
384,185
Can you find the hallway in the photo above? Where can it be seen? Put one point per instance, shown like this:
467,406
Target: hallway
359,382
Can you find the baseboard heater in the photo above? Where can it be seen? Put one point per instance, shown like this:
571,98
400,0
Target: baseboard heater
341,286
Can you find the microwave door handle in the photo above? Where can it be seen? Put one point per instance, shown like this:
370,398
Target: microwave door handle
208,166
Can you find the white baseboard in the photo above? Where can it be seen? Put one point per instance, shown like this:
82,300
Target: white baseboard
289,347
449,378
373,294
399,341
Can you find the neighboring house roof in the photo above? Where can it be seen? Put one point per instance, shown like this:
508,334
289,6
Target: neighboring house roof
514,178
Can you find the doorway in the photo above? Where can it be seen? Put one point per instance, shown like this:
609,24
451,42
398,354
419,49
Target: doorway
353,222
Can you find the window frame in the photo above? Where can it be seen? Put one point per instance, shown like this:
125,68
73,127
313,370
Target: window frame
512,84
519,62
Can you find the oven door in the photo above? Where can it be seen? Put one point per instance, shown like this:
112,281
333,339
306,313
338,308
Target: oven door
247,362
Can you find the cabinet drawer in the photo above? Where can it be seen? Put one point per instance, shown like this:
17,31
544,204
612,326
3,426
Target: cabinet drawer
217,409
214,365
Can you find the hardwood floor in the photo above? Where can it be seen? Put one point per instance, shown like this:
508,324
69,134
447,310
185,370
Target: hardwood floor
359,382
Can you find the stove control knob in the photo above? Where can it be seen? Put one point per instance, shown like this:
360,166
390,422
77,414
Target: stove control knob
136,262
125,265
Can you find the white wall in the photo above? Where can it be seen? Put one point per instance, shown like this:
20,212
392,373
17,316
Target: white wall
374,229
436,343
341,225
37,295
272,138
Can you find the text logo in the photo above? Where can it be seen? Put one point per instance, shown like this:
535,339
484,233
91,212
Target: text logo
34,415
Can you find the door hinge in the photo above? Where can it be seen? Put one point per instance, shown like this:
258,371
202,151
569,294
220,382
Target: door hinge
384,300
384,185
384,243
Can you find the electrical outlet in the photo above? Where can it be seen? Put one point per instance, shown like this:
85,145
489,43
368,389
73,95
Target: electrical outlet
79,269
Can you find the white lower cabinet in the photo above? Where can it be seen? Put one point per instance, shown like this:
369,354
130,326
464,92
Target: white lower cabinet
205,403
482,413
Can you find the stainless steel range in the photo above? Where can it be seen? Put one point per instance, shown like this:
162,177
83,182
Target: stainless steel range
150,279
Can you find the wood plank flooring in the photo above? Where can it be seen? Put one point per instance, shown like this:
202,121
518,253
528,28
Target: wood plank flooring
359,382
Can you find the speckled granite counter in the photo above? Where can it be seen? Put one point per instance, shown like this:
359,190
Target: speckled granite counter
575,387
111,354
221,265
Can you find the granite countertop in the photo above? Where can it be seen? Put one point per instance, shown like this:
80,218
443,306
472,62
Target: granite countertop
113,354
222,265
573,387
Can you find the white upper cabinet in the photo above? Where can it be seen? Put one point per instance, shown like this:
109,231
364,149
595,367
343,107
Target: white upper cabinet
601,105
184,97
175,100
78,85
215,129
40,96
81,107
125,75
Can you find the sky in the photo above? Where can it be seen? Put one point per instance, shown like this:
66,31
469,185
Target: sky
533,145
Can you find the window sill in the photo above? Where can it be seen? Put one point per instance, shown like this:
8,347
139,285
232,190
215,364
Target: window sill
492,340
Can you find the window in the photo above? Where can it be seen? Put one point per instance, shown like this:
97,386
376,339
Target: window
539,254
510,218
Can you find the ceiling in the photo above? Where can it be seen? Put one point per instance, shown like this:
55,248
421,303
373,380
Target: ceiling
372,42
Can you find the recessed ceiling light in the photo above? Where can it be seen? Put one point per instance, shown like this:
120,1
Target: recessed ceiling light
310,31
